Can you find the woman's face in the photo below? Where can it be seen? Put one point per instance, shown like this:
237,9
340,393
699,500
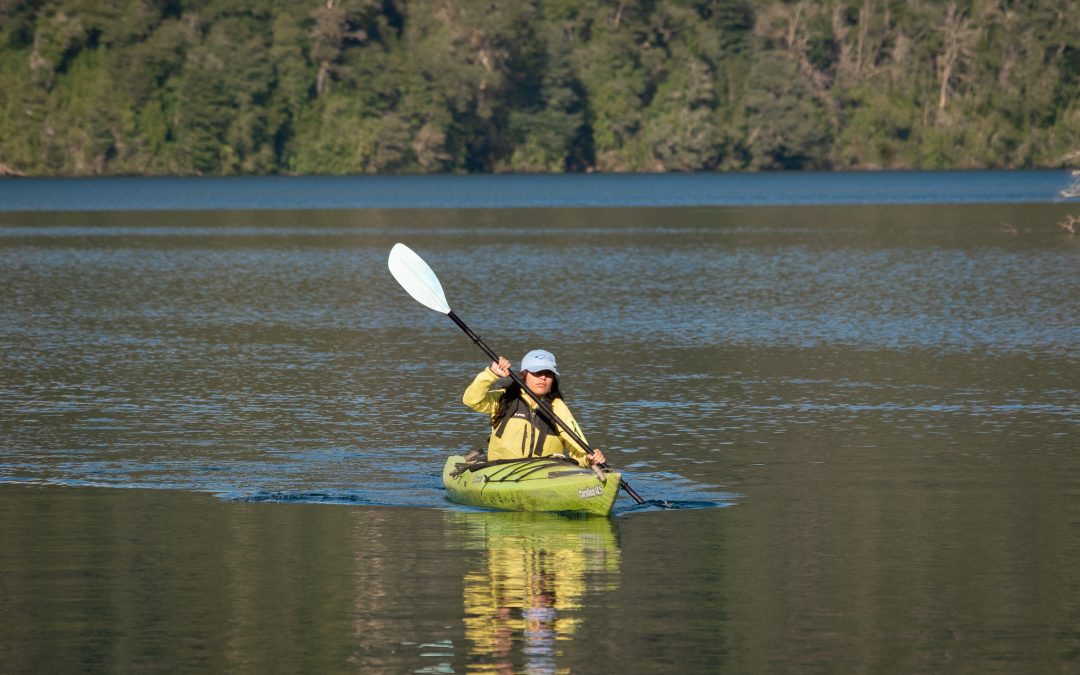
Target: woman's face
539,383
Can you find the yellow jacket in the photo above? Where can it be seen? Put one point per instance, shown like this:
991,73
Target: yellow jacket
522,434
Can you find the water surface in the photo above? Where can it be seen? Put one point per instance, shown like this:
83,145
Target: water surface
868,412
531,191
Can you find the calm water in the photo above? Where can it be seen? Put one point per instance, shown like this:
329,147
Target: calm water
537,191
855,419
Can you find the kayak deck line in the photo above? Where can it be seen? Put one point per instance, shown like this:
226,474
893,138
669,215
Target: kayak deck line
520,469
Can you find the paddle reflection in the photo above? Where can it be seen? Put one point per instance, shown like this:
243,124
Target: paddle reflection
525,591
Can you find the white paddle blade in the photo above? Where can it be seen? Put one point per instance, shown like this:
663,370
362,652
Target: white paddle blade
416,278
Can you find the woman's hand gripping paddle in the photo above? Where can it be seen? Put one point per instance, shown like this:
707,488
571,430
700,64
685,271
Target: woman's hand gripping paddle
419,281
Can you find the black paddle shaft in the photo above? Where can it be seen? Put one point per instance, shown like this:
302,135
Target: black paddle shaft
544,406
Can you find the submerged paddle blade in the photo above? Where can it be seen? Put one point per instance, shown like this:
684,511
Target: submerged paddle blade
417,279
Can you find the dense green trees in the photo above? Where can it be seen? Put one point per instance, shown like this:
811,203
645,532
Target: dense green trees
92,87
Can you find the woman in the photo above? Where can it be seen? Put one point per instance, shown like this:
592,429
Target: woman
518,429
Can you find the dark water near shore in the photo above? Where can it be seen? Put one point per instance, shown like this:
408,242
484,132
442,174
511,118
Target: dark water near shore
886,398
531,191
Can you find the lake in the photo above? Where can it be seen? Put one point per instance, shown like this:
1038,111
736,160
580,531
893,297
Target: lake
851,402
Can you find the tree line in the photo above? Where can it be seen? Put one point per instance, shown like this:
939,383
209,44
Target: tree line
220,87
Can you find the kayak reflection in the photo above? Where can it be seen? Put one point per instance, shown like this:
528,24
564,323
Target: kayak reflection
525,590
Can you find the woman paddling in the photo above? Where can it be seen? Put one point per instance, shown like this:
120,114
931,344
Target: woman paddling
518,428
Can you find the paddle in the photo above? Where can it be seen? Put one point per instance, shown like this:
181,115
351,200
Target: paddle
419,281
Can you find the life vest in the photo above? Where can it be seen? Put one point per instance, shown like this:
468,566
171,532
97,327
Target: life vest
534,434
527,434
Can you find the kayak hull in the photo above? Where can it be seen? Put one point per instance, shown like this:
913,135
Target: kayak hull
535,484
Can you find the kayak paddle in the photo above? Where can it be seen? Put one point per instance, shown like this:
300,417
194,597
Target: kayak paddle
419,281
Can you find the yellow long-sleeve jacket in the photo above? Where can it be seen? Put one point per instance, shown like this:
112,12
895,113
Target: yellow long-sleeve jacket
524,433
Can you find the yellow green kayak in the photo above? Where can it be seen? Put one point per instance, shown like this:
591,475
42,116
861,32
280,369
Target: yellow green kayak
535,484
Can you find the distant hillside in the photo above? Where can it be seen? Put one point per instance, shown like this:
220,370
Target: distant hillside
98,87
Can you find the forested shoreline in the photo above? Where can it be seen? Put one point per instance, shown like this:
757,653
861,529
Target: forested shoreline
224,87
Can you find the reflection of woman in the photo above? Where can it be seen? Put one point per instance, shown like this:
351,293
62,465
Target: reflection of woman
540,624
525,597
518,428
526,594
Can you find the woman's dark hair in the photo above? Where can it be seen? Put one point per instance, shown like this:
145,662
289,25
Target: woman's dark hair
512,393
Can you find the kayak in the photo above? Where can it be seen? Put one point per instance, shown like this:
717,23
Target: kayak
531,484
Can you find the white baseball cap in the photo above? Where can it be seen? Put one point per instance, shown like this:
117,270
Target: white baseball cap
537,360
